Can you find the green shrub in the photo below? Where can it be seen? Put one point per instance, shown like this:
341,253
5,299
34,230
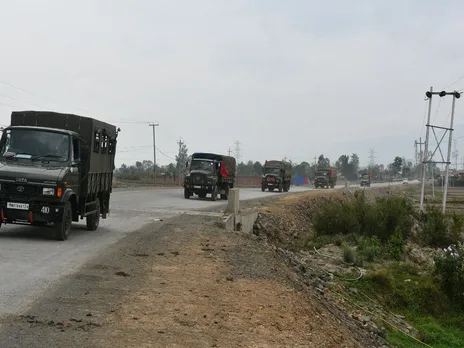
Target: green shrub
369,248
348,254
437,229
335,216
129,176
388,213
457,224
450,268
396,245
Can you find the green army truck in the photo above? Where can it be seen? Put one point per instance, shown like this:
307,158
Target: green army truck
55,169
365,179
325,178
209,173
276,175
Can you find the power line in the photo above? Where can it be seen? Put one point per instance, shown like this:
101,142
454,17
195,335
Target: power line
161,152
452,83
38,96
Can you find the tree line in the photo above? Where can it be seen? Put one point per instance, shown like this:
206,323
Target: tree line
346,165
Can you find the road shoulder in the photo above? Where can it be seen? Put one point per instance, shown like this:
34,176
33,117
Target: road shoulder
181,283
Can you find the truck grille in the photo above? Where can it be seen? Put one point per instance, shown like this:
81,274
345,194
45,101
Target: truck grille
26,189
198,179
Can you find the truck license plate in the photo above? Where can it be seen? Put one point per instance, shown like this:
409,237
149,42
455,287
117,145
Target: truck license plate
196,186
20,206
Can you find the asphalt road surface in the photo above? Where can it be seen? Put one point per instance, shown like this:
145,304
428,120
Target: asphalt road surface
30,261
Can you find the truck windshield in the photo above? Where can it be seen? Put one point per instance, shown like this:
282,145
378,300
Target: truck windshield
35,144
202,165
271,170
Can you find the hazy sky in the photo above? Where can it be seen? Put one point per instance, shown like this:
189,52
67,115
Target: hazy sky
285,78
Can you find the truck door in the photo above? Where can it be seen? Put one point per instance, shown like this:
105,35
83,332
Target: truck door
76,166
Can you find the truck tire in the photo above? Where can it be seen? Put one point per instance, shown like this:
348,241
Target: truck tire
63,227
186,193
94,220
263,188
280,188
214,193
225,195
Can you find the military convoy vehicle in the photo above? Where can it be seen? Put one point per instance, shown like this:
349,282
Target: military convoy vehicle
325,178
209,173
276,175
55,169
365,179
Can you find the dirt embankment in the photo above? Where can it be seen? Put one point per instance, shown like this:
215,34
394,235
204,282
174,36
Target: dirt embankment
185,283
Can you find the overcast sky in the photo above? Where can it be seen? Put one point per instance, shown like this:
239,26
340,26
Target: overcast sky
285,78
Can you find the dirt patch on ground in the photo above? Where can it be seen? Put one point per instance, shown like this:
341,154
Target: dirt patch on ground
185,283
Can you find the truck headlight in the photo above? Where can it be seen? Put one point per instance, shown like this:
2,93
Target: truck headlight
48,191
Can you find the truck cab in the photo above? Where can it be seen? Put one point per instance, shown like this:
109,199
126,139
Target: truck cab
209,173
46,174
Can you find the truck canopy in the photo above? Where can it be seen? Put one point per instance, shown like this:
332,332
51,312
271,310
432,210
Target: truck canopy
229,162
285,166
332,172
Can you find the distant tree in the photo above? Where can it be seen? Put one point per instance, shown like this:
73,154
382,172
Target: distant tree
354,163
396,165
147,165
181,159
257,168
323,162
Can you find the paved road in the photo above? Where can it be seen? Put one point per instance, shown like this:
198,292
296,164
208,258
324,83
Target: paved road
30,261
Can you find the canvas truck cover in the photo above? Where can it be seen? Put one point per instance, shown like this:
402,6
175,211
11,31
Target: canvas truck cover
99,136
229,162
286,166
331,171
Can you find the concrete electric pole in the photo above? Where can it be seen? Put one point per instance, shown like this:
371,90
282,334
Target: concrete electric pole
180,143
153,125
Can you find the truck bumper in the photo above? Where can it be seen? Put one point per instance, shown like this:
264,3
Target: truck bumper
199,188
27,211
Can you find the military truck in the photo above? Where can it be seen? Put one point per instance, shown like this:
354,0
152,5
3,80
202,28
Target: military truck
276,175
365,179
55,169
209,173
325,177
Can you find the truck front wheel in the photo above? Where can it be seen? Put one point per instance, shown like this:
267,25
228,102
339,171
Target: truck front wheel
63,227
214,193
186,193
94,220
263,188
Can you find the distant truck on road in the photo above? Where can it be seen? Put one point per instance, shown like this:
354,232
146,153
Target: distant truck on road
209,173
325,177
276,175
365,179
56,168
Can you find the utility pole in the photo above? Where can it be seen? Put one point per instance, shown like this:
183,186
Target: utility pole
429,161
372,157
229,151
153,125
419,153
237,154
180,143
